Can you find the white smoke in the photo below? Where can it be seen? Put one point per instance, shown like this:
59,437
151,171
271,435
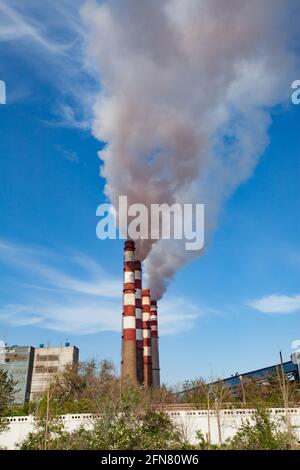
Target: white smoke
186,99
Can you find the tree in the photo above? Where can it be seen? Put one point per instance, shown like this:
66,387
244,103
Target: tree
195,392
48,434
7,396
152,431
219,394
124,419
80,388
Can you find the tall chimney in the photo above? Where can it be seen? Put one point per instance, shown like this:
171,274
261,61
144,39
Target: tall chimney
147,337
154,345
129,362
129,248
139,322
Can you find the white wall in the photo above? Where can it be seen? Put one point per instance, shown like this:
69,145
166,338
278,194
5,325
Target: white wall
189,421
21,426
229,422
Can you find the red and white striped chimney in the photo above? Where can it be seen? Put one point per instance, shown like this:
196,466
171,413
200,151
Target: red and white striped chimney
129,362
129,248
154,345
139,322
147,337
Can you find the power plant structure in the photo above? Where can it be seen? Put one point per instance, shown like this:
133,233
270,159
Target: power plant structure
140,352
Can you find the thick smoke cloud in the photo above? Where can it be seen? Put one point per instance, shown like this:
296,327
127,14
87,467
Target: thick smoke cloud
187,89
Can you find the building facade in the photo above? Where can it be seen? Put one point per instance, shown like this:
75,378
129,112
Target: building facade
48,363
34,369
17,361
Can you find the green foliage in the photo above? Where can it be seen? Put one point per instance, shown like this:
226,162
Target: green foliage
153,431
129,423
196,392
265,434
7,391
23,409
203,444
125,420
128,417
82,387
273,391
48,435
7,395
269,393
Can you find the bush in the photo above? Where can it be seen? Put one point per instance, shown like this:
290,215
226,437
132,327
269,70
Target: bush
124,416
265,434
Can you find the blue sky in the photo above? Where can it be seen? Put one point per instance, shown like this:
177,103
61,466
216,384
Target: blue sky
230,310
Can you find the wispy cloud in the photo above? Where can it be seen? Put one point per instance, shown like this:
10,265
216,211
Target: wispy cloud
277,304
52,38
177,315
66,116
15,25
86,316
80,317
70,155
47,293
52,270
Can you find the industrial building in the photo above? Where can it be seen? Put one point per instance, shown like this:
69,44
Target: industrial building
34,369
235,382
291,370
140,351
48,362
17,361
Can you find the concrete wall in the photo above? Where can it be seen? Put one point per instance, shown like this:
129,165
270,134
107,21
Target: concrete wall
21,426
229,422
189,422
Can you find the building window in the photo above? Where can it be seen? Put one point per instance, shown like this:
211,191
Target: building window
48,357
45,370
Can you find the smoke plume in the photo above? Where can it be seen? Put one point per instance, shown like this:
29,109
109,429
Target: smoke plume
187,89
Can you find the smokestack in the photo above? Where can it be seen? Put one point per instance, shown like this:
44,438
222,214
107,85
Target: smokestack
147,337
154,345
129,248
139,322
129,363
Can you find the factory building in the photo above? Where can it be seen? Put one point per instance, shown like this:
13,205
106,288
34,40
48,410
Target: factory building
34,369
17,361
140,352
48,363
291,370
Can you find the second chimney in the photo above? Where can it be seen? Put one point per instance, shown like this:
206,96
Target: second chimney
147,337
154,345
139,322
